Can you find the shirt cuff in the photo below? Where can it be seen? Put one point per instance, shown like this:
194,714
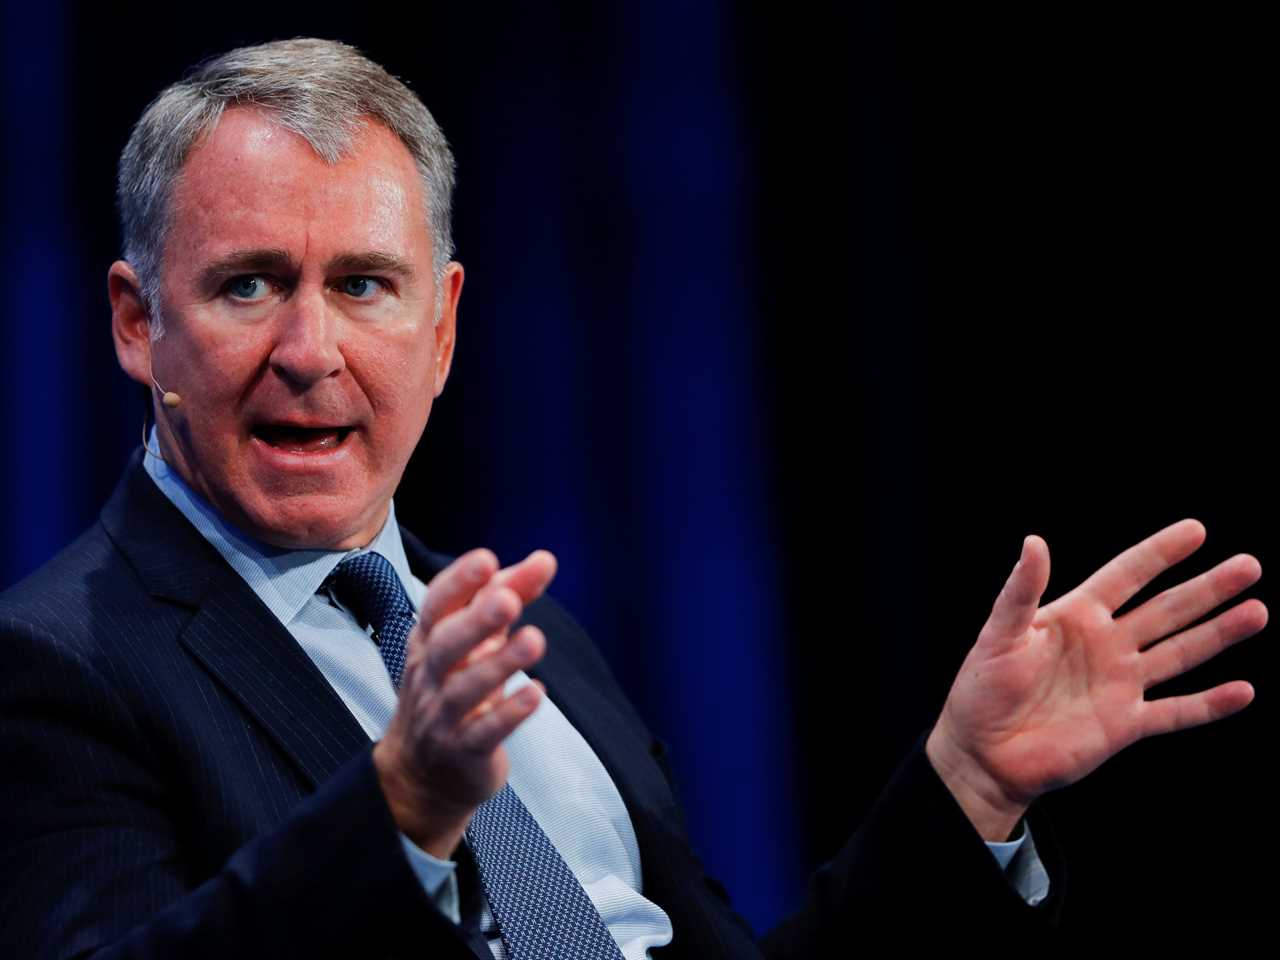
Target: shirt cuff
439,878
1004,852
1021,864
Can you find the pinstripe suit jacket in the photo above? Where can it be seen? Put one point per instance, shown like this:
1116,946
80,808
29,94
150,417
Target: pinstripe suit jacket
181,781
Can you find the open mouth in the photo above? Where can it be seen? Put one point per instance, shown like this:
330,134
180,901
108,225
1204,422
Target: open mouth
295,439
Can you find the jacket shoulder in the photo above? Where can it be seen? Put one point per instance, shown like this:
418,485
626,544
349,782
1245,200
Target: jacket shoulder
88,584
76,572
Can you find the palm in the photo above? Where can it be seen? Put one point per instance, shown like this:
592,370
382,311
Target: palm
1049,693
1053,707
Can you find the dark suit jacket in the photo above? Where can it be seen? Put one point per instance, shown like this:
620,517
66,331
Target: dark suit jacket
181,781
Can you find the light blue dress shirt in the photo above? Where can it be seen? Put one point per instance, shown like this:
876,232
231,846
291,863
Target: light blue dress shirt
553,770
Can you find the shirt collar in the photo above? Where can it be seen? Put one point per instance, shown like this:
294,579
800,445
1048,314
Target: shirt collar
282,579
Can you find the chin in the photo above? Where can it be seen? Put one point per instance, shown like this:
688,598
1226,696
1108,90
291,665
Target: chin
310,529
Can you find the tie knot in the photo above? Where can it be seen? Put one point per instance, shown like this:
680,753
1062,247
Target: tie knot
370,587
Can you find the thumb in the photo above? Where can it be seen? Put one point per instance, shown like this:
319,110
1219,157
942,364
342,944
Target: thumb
1019,599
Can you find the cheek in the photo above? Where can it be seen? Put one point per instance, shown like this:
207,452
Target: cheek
399,382
219,363
228,370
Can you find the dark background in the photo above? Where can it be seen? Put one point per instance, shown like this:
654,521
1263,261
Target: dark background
782,326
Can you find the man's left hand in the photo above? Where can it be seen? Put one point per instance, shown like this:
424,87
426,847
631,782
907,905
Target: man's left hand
1049,693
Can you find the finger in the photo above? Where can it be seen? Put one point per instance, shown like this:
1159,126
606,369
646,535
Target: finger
528,579
467,691
486,647
492,611
453,587
498,693
1179,713
1128,573
531,576
487,731
1180,605
1193,647
495,697
1019,599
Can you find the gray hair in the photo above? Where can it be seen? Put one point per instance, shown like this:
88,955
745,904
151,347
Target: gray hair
319,89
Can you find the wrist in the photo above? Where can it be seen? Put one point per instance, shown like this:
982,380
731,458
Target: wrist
429,825
992,811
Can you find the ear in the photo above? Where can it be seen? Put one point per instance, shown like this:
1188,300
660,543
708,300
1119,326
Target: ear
446,326
130,322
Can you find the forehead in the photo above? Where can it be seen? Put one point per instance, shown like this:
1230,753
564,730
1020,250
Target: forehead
251,184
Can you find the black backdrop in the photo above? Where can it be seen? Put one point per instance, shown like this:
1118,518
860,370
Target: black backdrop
783,325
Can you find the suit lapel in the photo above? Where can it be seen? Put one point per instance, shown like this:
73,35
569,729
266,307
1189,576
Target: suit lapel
232,634
241,643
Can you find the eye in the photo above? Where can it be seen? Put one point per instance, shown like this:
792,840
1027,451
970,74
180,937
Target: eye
250,288
361,288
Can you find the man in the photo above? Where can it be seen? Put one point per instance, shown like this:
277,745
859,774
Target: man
237,721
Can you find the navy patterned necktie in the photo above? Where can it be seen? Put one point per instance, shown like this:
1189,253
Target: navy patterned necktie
539,905
368,585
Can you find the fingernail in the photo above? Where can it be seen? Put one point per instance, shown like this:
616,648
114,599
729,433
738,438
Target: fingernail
528,695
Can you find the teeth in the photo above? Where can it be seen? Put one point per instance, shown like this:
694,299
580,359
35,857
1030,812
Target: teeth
318,441
301,440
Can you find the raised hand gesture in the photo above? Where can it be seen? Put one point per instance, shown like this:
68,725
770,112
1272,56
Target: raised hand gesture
442,754
1048,693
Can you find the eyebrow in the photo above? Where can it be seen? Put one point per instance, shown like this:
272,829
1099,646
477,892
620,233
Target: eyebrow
239,262
371,262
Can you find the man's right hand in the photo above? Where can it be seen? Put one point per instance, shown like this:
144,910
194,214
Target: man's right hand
442,755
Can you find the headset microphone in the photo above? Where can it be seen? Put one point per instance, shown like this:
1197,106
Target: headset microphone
167,397
170,400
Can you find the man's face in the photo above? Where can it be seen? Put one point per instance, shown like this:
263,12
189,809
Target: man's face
298,327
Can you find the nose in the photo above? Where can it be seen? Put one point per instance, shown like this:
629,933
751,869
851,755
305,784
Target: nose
306,350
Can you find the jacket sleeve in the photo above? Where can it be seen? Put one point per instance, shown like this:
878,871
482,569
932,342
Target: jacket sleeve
917,871
92,862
